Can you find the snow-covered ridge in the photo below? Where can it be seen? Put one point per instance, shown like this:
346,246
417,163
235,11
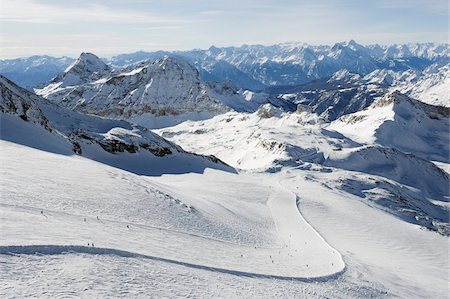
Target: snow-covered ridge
69,132
86,68
346,92
297,63
398,121
167,86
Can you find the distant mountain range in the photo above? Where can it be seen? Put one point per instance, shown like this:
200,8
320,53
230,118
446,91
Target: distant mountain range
332,81
255,67
168,86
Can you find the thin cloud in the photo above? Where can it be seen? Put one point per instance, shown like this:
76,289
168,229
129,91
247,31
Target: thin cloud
29,11
70,26
438,7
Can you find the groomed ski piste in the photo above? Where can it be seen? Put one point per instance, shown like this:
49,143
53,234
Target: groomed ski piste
74,227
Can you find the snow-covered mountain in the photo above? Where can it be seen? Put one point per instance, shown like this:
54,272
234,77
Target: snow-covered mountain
219,71
35,70
341,94
403,123
346,92
86,68
166,87
335,80
297,63
32,120
255,66
432,86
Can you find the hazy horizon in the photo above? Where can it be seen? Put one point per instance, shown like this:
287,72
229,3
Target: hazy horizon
106,28
74,56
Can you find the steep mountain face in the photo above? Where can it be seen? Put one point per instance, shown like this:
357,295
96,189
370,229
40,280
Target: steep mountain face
167,86
34,70
86,68
31,120
351,56
403,123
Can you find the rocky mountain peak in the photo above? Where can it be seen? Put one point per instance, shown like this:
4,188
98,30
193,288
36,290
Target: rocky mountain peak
88,64
173,62
88,67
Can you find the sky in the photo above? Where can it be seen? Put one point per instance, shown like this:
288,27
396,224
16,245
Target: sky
109,27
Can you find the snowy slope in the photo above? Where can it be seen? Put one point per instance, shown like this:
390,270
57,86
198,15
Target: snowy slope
432,87
270,140
403,123
132,215
74,226
33,121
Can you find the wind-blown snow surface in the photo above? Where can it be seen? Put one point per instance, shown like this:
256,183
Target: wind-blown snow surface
196,221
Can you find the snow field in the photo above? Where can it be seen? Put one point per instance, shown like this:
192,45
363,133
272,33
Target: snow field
61,207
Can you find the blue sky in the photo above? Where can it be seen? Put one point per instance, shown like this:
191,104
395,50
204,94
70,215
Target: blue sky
68,27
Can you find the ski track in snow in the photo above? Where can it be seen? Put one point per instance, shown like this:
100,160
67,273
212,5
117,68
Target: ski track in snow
62,228
290,225
407,261
149,251
74,275
67,249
